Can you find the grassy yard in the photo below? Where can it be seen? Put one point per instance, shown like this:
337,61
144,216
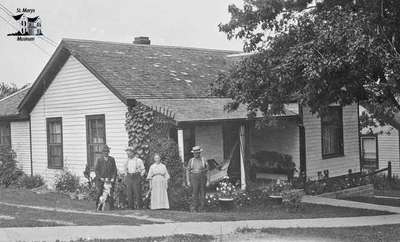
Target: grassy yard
261,213
52,199
358,234
175,238
376,200
35,217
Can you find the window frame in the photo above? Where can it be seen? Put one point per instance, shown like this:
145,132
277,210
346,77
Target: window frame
376,160
88,119
8,125
339,153
50,163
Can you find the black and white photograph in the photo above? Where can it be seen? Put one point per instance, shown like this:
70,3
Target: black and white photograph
203,121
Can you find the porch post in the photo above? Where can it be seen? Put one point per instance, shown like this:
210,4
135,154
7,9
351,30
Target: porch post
242,138
180,144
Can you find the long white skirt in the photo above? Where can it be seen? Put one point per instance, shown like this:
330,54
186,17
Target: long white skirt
159,195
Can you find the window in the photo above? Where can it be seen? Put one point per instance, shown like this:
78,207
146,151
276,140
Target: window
54,143
369,154
5,134
95,137
332,133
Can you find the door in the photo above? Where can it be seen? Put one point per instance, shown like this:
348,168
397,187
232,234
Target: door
95,137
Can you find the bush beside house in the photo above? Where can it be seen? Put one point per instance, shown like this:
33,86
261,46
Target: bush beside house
12,175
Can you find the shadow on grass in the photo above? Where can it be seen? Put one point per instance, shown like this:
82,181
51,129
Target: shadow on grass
178,238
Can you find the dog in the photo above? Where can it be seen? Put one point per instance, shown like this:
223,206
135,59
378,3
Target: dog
104,196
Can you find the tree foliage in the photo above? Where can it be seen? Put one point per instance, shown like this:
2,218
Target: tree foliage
7,89
335,51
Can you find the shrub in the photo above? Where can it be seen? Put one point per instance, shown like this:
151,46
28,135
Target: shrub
86,192
276,188
30,182
291,199
67,182
9,171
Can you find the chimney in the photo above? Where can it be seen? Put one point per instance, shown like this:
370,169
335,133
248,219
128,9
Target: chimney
142,40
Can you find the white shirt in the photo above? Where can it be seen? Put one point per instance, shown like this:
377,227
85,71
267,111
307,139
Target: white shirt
134,165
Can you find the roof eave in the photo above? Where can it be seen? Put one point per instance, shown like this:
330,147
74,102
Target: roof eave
186,122
49,72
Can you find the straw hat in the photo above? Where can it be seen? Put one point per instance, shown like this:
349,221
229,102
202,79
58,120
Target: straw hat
196,149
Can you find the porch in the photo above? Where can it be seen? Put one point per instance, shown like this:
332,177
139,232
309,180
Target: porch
229,139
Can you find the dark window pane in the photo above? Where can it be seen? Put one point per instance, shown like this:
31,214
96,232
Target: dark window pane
54,146
332,132
96,138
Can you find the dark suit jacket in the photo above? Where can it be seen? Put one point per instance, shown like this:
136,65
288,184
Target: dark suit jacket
106,169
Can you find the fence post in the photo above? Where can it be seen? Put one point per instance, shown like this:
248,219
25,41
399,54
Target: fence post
390,172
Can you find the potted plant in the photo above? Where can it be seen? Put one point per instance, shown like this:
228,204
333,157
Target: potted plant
225,192
275,190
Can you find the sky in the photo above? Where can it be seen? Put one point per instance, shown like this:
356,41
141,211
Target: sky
191,23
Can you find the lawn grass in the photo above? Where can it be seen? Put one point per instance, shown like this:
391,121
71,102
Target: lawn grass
358,234
32,215
51,199
58,200
387,192
261,213
376,200
24,222
177,238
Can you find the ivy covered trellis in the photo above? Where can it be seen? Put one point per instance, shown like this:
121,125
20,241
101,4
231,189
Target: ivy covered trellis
148,133
144,125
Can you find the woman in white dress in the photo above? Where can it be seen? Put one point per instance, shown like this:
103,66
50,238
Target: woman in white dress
158,177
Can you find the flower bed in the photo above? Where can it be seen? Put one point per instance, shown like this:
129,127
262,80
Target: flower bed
229,196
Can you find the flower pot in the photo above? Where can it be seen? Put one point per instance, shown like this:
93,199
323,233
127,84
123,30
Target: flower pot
275,199
226,203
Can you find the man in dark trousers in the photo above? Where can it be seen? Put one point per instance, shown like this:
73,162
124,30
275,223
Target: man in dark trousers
197,178
105,170
135,170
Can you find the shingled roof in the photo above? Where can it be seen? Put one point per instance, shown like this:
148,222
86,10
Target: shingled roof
206,109
134,71
9,106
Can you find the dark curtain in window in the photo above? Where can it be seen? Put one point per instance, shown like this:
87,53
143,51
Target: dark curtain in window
332,132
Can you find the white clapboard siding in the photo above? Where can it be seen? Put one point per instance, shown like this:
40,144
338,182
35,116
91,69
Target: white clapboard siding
20,143
73,94
388,150
210,138
283,138
339,165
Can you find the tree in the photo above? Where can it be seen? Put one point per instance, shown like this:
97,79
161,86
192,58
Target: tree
7,89
335,51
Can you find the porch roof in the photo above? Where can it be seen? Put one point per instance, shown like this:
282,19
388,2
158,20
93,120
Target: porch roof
205,109
9,106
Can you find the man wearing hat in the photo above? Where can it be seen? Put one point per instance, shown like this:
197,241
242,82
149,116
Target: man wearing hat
105,170
135,170
196,176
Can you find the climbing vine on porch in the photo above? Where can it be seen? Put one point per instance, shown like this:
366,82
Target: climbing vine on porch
145,125
138,124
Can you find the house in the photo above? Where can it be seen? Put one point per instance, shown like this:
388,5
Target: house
28,25
379,145
14,128
80,99
34,26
